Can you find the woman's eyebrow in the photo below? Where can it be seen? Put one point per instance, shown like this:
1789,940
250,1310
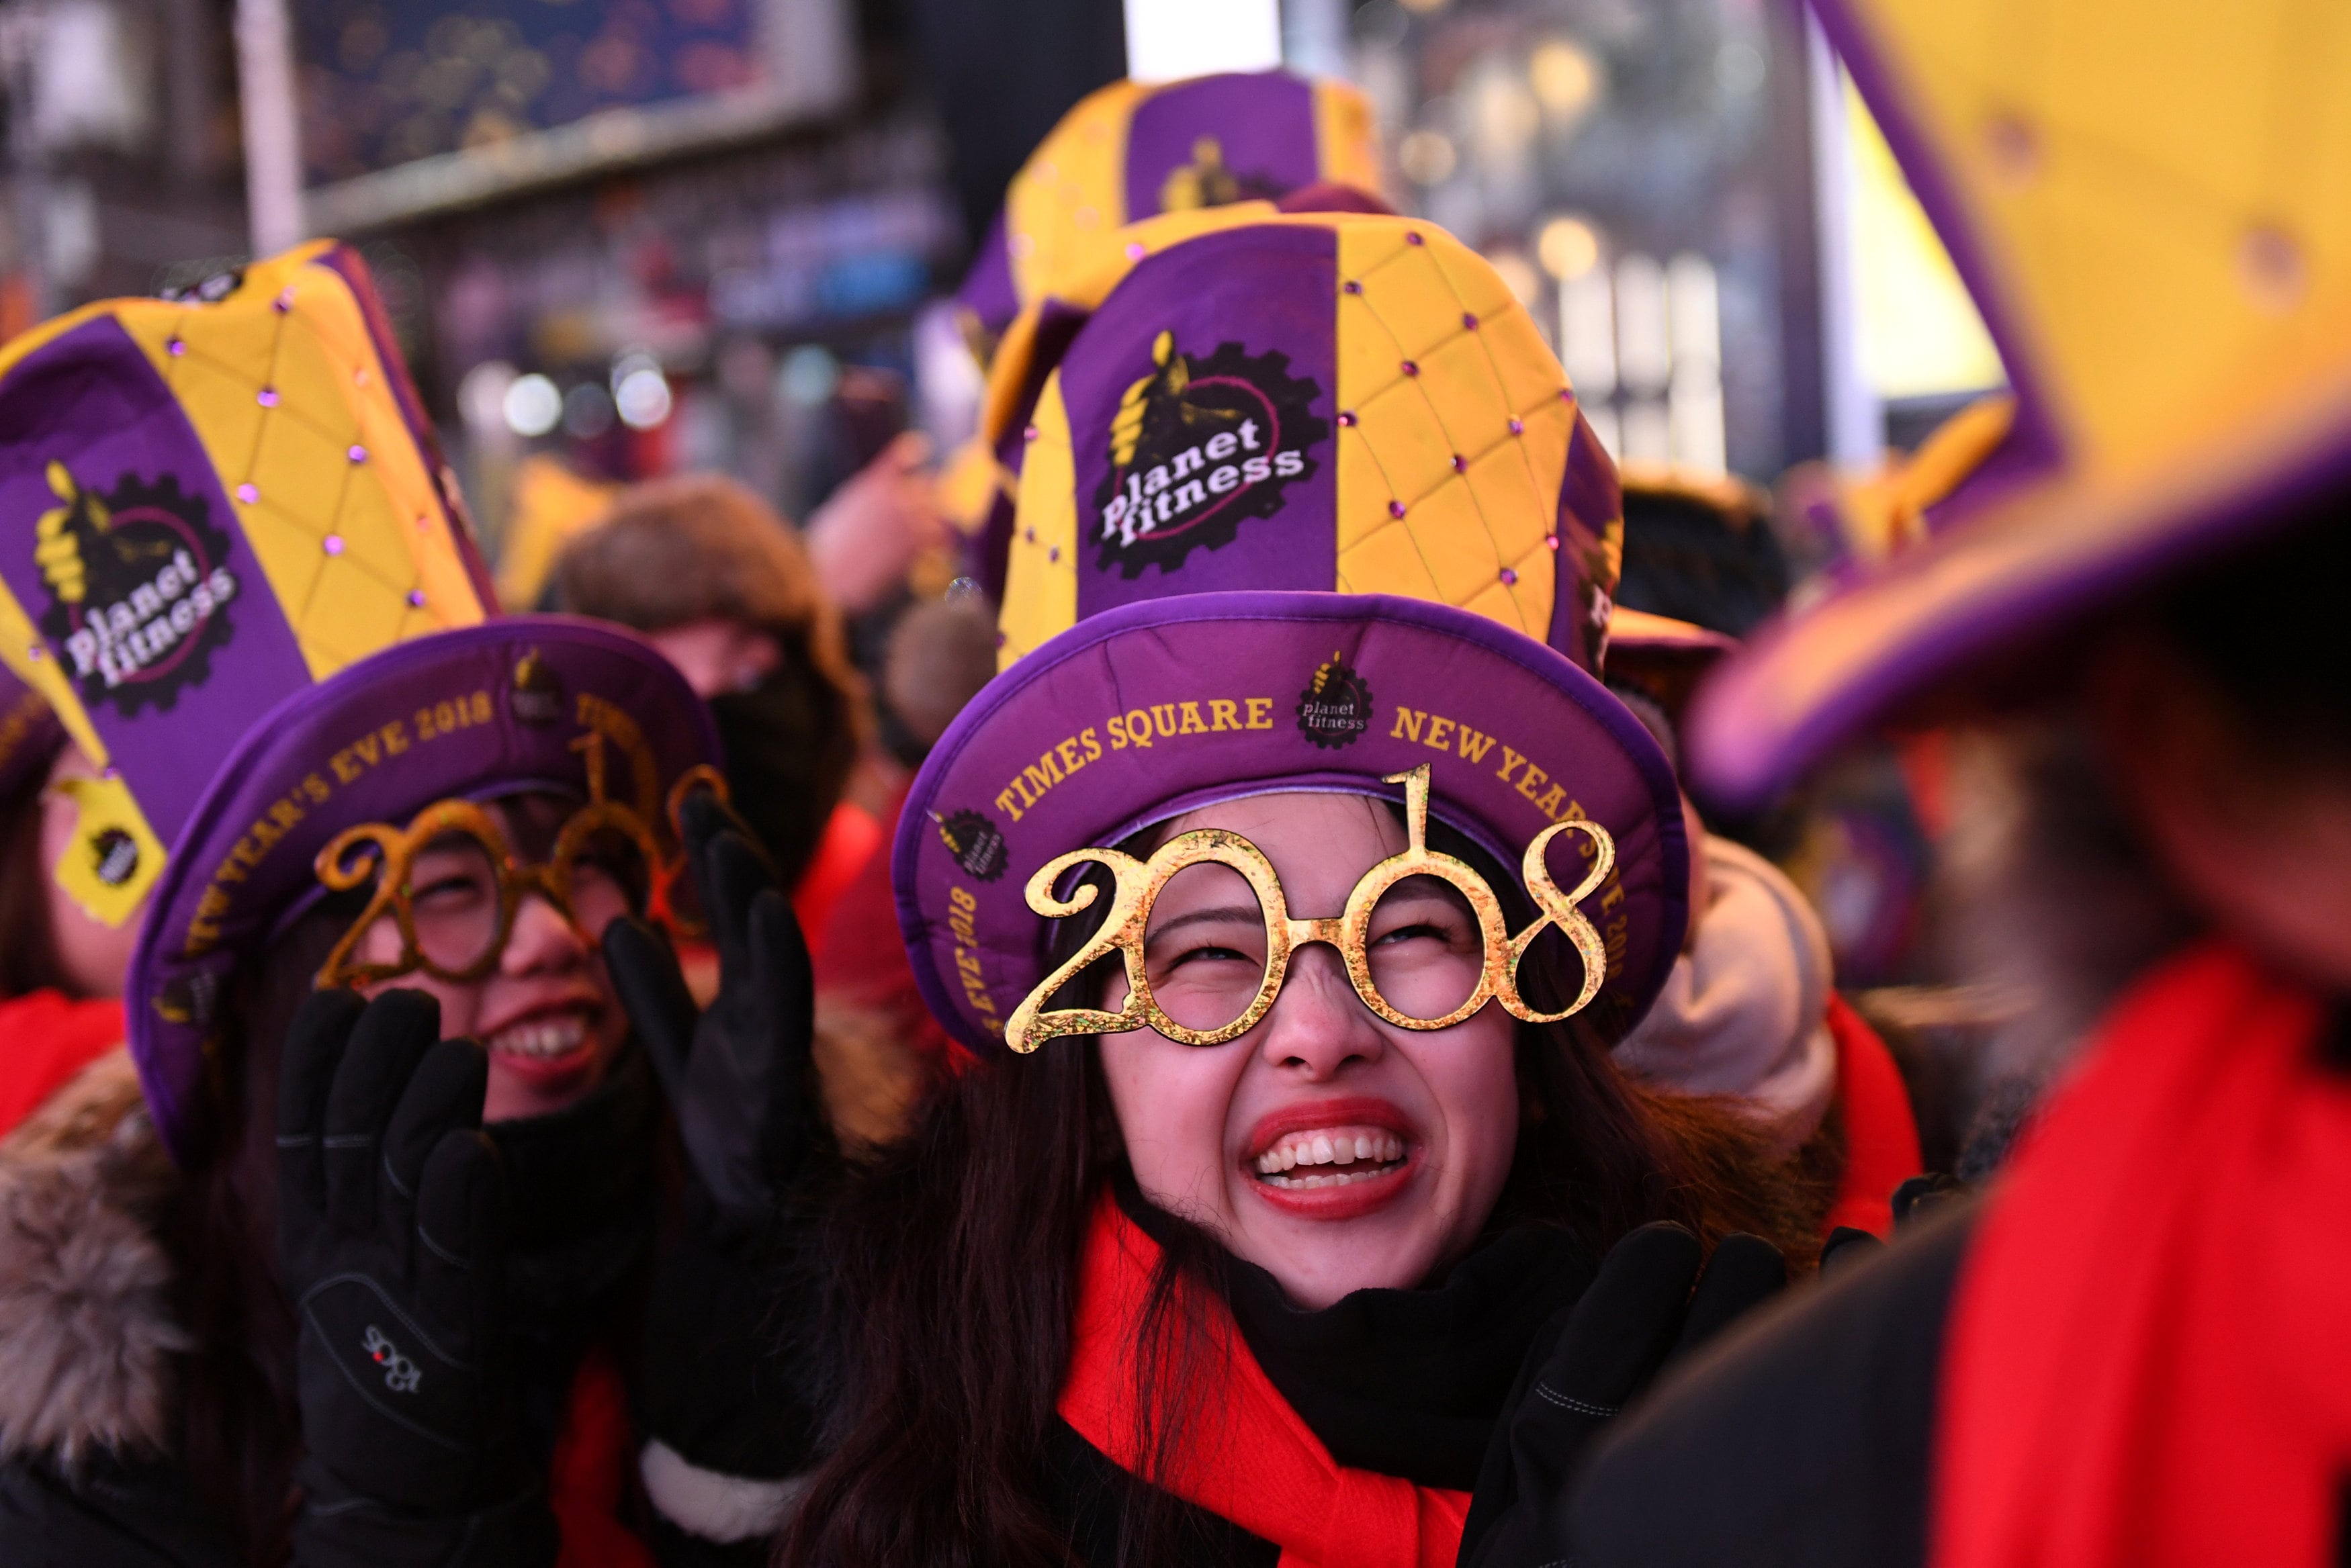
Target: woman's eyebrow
1222,914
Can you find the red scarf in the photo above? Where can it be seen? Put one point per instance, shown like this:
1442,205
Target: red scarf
1881,1134
47,1037
2149,1356
1257,1464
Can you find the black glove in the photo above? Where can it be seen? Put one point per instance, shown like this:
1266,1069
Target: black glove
390,1243
737,1077
718,1390
1640,1315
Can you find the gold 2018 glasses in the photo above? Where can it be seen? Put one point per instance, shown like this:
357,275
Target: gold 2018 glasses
456,924
1137,885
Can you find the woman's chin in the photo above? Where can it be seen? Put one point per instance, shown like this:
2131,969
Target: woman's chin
1324,1245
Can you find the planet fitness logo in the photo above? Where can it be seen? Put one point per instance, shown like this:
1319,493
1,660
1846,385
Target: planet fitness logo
1336,706
1199,447
976,844
138,595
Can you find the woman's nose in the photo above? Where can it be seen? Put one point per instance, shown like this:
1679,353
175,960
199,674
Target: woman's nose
543,939
1318,1025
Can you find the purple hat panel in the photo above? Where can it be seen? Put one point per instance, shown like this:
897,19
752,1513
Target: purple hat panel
1202,401
1220,139
30,735
468,713
1154,709
1589,501
987,290
136,575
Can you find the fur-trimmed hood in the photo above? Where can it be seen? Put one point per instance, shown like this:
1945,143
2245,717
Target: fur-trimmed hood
87,1337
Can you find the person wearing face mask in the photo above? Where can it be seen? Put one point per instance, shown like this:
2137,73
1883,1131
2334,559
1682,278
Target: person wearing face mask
1293,1206
724,587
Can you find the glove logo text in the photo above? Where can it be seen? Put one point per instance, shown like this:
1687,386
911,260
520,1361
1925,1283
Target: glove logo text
400,1373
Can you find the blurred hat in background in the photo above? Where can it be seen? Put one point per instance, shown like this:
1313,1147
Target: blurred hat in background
1129,152
2178,343
551,507
208,502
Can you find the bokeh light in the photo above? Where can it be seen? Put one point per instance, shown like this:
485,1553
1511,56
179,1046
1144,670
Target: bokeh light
532,406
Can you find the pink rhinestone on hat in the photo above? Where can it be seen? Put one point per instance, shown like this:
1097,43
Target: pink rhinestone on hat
1395,508
1347,419
1460,466
1516,427
1412,237
1552,540
416,597
248,493
332,544
1469,321
358,453
1134,250
267,398
176,347
1410,369
1510,578
1352,286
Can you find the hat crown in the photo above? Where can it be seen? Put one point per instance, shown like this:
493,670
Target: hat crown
1340,402
213,500
1129,152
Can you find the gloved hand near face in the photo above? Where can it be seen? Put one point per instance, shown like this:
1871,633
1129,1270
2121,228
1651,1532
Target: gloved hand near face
719,1396
1649,1306
392,1247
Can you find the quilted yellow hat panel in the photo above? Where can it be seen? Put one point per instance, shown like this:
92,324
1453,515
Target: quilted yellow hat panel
1131,151
2146,203
2146,199
1342,402
212,502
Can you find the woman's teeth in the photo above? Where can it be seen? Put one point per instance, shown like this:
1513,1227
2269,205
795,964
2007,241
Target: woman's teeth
1359,1153
542,1037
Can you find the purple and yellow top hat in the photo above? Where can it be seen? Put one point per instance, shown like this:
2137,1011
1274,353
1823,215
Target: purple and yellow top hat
1129,152
212,502
2170,289
1309,504
30,735
571,707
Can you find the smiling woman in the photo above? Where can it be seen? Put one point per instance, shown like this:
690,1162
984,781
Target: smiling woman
1294,1210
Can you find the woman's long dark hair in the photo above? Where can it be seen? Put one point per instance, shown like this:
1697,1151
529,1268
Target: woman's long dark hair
953,1260
28,950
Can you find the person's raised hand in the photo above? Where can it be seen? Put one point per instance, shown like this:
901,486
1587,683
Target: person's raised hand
737,1073
726,1416
865,537
391,1210
1649,1306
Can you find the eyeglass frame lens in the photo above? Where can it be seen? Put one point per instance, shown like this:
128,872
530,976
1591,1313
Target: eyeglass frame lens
1138,884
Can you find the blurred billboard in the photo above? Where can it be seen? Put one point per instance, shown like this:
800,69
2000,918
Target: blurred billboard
412,108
